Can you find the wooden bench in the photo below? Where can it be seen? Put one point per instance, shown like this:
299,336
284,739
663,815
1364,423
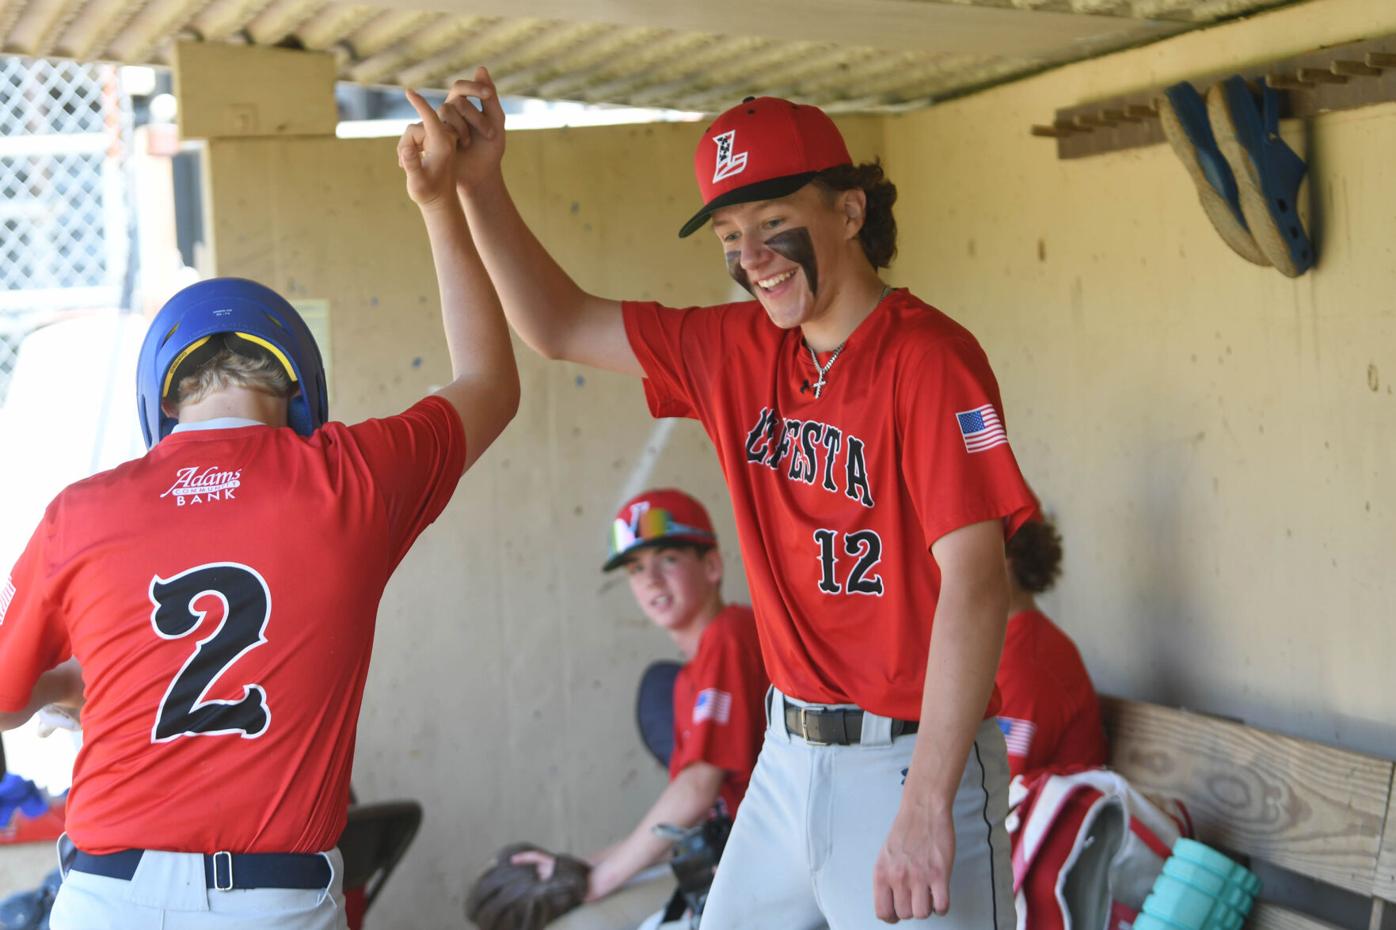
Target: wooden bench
1321,812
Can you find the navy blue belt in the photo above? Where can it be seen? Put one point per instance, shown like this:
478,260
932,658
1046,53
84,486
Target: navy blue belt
224,871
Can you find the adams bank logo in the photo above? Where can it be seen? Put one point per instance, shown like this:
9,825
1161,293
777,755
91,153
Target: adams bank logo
198,485
728,161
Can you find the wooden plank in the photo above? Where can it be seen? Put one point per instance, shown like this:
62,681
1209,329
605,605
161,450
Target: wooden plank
1309,808
1273,917
1343,77
1385,886
228,91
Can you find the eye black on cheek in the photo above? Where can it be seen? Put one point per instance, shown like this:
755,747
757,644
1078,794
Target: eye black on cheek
738,273
796,245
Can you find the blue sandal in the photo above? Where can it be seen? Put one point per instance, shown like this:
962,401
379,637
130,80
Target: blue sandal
1183,115
1267,170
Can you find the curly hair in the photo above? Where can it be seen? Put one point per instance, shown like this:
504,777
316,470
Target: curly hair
879,233
1035,555
514,897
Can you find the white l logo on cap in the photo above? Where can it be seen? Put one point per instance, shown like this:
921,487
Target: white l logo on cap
728,163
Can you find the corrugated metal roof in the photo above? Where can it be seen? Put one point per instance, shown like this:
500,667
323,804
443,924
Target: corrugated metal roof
845,55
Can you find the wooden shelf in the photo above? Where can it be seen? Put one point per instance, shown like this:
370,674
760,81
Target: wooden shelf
1342,77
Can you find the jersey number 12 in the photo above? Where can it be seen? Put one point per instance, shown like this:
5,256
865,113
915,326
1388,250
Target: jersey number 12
246,609
865,547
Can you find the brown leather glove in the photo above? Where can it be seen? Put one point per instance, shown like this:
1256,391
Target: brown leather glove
514,897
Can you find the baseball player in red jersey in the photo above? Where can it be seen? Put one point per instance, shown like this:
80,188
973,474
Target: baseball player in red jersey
862,438
1049,713
219,594
663,540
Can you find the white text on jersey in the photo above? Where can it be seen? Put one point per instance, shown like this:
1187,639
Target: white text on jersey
194,485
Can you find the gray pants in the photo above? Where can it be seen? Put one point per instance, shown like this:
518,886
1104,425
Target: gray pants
167,893
814,819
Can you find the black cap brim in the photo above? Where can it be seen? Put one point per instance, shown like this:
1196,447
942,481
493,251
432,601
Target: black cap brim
761,190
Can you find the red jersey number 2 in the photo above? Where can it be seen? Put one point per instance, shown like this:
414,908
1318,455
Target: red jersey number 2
246,604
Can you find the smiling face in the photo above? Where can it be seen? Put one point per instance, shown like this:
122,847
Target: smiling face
792,253
673,585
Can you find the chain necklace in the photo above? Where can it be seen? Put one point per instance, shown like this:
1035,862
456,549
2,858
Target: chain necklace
824,369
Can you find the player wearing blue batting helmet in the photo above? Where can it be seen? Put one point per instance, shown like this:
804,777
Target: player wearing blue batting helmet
228,313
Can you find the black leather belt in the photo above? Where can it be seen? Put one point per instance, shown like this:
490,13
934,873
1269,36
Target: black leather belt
830,726
224,871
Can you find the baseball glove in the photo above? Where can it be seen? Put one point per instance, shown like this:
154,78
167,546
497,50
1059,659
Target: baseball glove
514,897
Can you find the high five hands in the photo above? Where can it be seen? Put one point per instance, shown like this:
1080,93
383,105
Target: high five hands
480,129
459,145
426,153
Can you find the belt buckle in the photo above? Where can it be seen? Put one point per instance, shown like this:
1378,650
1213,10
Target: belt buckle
805,729
226,858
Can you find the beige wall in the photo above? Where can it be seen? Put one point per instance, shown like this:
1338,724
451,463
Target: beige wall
502,687
1217,441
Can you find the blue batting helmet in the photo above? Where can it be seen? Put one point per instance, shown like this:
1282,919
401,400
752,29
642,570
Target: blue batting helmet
182,336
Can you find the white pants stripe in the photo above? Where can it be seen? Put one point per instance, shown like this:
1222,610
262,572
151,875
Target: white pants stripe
814,819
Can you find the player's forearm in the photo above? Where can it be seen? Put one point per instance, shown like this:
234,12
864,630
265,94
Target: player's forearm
966,640
486,378
61,684
539,297
625,860
684,803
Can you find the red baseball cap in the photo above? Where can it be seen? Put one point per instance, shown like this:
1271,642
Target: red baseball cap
762,148
662,516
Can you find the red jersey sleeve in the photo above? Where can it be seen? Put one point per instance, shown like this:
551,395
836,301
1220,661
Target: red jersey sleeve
1030,729
723,719
955,455
415,460
676,348
33,633
1050,715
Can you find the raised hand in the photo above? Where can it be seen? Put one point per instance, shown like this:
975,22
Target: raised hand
481,130
426,153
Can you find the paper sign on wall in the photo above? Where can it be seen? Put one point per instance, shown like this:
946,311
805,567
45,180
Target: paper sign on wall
316,314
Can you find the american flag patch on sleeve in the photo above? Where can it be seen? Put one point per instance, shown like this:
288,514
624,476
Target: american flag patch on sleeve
714,705
1017,734
981,428
7,594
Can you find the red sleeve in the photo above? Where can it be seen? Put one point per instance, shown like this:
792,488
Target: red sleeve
1026,731
1050,715
33,633
679,351
955,455
414,461
722,722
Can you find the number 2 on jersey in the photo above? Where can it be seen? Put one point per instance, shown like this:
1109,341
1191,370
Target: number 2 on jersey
246,609
865,546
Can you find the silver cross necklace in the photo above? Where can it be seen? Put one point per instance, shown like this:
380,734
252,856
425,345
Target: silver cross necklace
824,369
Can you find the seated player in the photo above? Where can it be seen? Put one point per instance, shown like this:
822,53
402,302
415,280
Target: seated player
1050,717
219,594
663,540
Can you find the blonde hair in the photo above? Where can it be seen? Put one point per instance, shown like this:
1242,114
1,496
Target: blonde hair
255,370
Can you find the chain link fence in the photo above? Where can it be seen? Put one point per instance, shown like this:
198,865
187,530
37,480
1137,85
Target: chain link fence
65,219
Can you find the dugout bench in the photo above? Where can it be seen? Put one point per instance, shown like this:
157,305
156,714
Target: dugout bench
1324,813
